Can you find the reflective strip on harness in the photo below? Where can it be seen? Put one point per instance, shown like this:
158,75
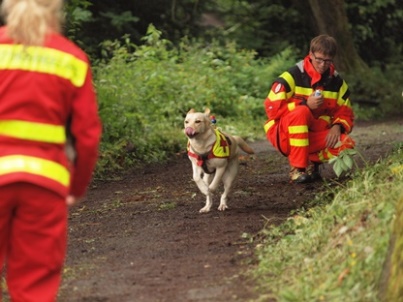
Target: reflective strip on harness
33,131
46,60
221,147
36,166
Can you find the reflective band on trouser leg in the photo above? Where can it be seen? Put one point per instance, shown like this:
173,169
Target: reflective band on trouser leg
302,130
299,143
36,166
298,136
33,131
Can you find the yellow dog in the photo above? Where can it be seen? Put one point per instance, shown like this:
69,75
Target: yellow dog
214,156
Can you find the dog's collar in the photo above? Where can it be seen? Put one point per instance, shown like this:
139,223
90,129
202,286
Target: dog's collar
220,149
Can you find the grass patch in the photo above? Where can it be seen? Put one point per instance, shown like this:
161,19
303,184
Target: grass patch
167,206
334,251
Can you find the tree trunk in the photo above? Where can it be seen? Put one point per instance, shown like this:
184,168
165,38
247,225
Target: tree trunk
331,19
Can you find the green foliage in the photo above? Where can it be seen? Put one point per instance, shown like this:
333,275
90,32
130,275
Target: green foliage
343,162
263,25
334,251
76,14
120,20
145,91
392,288
377,93
376,27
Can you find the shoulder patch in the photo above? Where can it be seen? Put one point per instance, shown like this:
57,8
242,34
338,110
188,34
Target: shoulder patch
278,88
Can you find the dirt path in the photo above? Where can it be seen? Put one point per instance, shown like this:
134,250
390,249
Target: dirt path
141,238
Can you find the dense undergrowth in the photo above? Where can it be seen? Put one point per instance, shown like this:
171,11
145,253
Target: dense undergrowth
335,249
145,91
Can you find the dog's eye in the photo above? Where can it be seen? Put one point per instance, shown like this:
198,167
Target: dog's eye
198,121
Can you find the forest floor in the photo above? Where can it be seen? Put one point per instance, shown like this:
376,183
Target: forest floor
141,237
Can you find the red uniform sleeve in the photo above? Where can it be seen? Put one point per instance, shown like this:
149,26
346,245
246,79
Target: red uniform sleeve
344,114
276,102
280,102
86,131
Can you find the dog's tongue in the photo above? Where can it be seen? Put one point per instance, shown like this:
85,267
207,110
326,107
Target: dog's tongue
190,131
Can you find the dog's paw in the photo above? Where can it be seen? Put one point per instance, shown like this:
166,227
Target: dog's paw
204,210
222,207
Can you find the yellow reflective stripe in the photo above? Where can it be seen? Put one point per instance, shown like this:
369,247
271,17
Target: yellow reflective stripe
268,125
326,118
221,147
33,131
343,102
298,129
303,91
46,60
36,166
289,79
276,96
291,106
298,142
325,155
343,122
330,94
343,89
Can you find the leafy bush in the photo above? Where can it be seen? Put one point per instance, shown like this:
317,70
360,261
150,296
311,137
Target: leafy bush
377,93
145,91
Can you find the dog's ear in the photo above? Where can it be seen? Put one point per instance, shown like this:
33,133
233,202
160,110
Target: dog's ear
191,111
207,111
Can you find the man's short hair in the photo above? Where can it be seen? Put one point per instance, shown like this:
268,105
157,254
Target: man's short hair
324,44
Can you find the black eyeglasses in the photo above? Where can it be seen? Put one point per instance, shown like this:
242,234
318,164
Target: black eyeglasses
320,60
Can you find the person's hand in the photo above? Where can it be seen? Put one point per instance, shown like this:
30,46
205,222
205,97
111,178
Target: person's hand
71,200
314,102
333,136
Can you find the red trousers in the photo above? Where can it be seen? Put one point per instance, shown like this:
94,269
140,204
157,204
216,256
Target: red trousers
302,138
33,239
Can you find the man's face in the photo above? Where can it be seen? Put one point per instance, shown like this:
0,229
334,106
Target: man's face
320,61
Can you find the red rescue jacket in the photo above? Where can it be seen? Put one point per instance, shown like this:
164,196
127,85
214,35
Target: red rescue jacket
44,93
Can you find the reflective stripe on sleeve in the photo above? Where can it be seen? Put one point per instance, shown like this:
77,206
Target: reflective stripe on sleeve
33,131
45,60
268,125
36,166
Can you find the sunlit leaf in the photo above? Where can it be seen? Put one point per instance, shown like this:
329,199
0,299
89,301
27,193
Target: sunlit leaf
348,161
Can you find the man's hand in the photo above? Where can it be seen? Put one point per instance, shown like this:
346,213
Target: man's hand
333,136
314,102
71,200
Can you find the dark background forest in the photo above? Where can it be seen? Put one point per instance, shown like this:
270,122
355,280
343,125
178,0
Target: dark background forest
267,26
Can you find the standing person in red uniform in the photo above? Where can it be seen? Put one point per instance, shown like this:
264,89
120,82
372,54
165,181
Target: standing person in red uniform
46,91
310,129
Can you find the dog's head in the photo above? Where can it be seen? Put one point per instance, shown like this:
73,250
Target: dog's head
197,122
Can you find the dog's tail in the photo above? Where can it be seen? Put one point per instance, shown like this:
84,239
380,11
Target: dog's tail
243,145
